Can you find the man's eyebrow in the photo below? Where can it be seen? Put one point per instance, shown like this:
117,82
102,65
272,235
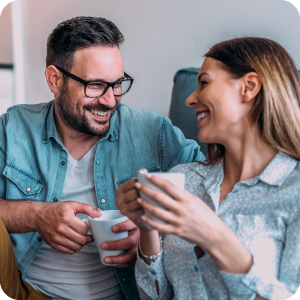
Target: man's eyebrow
102,80
200,75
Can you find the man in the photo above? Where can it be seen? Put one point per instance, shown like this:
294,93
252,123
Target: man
61,160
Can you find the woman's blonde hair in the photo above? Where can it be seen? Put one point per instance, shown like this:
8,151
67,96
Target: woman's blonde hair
276,109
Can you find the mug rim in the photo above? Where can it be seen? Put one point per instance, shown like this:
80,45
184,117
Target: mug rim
99,220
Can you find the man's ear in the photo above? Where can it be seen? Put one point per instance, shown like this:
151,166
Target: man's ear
251,86
54,79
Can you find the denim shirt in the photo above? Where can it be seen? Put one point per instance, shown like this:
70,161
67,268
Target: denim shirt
33,163
264,213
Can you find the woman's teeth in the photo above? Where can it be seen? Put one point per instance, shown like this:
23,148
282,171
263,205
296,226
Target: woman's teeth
202,115
99,113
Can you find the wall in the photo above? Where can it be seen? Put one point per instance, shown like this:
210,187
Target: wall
6,36
161,36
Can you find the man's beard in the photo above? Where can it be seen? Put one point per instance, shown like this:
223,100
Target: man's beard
76,119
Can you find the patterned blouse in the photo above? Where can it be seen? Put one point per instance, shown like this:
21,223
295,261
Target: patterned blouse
264,213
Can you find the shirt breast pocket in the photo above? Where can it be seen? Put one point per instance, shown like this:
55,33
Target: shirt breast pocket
21,184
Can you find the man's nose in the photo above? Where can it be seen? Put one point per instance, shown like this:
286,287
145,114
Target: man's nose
108,99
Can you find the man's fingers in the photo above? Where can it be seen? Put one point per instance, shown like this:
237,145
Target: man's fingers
123,260
83,208
66,245
124,226
122,244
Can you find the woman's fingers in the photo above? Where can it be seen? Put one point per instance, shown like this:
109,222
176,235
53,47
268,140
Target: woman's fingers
158,197
160,213
161,227
165,185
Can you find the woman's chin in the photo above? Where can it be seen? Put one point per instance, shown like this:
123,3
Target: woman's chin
204,138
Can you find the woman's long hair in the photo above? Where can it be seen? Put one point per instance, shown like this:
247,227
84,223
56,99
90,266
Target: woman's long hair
276,109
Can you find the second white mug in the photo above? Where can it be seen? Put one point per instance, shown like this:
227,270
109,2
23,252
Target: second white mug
101,230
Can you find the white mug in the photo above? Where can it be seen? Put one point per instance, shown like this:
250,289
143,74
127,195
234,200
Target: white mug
100,229
177,179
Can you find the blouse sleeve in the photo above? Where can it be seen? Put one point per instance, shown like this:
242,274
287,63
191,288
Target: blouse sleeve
146,276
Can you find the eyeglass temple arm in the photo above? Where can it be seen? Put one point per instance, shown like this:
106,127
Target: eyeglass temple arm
72,76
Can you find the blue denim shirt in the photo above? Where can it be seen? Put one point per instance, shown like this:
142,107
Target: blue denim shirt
33,163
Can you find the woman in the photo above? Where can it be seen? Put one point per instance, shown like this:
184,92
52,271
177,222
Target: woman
234,232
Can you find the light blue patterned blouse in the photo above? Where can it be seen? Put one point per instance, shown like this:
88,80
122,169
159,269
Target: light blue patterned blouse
264,212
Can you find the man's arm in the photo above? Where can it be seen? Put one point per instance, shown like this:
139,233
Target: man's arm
56,222
175,149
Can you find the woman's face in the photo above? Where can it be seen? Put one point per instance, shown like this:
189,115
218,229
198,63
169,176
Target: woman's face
218,101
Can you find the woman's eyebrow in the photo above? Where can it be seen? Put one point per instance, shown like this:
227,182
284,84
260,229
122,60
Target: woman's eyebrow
200,75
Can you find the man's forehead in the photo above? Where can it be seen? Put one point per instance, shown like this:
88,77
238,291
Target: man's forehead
98,60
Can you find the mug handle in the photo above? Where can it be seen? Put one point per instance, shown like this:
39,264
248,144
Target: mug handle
86,221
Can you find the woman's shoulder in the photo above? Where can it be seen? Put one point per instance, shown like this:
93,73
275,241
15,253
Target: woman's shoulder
188,167
193,170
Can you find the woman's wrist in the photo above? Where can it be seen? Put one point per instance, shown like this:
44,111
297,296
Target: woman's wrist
149,244
230,254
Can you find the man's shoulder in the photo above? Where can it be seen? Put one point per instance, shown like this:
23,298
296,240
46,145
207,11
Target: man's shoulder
23,113
36,109
139,114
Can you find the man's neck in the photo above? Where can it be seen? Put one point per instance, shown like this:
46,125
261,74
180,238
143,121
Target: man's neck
76,143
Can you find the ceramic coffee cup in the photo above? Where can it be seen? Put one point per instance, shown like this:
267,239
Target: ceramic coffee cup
101,230
177,179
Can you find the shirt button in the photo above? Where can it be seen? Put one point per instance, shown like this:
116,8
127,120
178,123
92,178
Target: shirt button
63,163
28,189
55,200
153,273
40,239
124,279
103,201
97,162
196,269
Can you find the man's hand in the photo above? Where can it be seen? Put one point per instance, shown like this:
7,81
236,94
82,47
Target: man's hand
61,229
128,258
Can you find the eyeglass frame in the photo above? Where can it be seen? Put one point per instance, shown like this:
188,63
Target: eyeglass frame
109,84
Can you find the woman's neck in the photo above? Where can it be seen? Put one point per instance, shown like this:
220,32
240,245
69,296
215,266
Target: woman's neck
245,158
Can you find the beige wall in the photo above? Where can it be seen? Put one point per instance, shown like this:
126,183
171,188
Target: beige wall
5,36
161,36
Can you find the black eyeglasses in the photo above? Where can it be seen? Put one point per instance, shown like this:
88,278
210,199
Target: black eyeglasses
97,88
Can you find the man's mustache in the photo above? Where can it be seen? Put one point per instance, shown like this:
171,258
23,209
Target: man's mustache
99,107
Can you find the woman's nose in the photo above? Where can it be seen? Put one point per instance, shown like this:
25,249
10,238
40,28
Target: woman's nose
191,101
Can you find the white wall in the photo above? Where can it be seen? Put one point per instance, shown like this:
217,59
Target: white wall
5,36
161,36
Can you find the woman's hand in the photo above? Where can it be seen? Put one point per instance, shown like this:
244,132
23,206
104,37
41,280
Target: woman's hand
185,215
126,201
191,219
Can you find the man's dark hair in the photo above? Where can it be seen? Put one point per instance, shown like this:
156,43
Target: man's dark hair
78,33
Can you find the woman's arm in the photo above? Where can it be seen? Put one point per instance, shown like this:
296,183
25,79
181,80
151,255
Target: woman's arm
191,219
151,280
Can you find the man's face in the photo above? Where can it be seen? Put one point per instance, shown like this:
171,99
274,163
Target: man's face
77,111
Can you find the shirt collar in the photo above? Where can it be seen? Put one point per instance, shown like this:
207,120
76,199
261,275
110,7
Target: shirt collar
279,168
50,128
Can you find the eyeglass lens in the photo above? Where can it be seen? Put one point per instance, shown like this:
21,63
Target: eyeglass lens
96,89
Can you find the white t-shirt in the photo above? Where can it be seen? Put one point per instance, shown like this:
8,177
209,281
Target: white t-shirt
81,275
